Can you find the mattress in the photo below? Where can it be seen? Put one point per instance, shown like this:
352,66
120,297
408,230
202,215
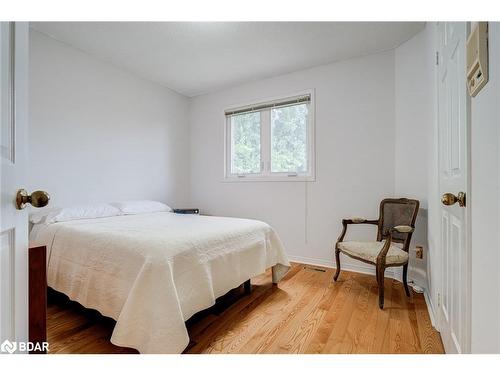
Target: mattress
152,272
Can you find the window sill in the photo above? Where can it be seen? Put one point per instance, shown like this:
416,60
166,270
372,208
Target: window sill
270,179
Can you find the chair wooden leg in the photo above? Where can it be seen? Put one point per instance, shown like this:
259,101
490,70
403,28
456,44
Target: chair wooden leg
337,260
380,281
405,279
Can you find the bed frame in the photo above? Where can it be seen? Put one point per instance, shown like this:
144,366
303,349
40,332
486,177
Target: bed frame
221,303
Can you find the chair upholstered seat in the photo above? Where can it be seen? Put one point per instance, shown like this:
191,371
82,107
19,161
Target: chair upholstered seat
369,251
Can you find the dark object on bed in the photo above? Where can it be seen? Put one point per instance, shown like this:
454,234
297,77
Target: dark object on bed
187,211
395,224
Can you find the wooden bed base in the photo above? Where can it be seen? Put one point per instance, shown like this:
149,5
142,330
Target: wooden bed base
37,298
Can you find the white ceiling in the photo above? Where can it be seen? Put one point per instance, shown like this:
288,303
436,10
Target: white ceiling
193,58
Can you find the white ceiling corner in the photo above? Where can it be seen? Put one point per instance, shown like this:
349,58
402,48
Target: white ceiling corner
194,58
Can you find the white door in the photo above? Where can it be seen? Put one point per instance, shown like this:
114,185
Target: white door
453,112
13,222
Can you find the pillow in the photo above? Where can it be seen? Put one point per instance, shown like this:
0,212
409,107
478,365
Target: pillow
82,212
39,215
141,207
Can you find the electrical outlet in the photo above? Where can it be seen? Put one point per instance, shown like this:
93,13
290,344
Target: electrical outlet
419,252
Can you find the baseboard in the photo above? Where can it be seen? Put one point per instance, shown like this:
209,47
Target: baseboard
430,309
359,267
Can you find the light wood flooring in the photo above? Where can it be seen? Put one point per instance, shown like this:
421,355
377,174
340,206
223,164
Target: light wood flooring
306,313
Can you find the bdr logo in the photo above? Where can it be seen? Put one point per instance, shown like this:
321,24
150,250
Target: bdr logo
11,346
8,347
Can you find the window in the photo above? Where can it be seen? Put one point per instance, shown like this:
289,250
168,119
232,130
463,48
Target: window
271,141
245,143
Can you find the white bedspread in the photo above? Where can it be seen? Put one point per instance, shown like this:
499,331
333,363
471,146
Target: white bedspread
152,272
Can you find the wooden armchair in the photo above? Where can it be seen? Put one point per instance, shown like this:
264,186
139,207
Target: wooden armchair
396,224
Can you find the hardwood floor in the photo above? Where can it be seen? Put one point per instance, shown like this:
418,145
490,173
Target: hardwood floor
307,313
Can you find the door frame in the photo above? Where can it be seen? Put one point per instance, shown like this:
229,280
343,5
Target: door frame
468,228
437,215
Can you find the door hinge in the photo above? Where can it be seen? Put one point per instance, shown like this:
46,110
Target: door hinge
439,299
437,58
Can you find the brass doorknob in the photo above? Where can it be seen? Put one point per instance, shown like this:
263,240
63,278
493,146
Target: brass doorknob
449,199
36,199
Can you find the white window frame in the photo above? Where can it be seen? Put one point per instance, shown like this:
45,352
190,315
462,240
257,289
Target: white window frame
265,174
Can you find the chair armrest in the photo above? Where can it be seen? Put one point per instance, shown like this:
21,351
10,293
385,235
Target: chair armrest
359,220
354,220
399,229
383,252
403,229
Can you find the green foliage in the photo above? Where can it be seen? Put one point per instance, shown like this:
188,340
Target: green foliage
289,139
245,131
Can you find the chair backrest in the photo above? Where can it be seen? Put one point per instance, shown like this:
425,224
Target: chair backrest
397,211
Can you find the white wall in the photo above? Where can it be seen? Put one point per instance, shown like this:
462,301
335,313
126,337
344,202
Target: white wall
98,133
355,137
485,206
415,122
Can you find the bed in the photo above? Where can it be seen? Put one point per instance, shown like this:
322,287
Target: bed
151,272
